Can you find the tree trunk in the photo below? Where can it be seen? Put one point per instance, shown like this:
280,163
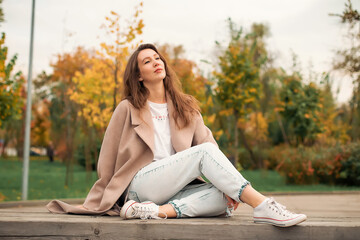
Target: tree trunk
243,139
97,135
259,162
68,156
247,147
282,128
236,157
116,83
356,115
70,119
87,151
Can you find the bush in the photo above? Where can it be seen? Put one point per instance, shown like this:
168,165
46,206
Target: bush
350,169
295,164
311,165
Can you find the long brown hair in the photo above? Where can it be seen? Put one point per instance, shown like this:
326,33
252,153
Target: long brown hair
136,93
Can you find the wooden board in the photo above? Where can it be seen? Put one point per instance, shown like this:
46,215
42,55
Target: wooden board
332,216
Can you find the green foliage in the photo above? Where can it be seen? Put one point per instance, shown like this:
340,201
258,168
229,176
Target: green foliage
299,105
350,167
10,86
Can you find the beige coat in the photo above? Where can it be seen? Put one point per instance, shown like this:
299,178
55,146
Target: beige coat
127,147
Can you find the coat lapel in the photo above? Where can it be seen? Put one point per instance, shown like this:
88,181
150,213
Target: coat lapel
145,127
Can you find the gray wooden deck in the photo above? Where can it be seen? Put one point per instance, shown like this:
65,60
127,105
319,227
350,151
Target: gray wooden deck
330,216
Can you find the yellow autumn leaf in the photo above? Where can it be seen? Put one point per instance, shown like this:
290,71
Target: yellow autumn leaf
211,119
252,90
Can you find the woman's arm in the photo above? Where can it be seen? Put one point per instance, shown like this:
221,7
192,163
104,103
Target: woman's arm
202,133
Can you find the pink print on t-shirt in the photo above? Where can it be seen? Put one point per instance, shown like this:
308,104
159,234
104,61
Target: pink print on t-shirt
161,117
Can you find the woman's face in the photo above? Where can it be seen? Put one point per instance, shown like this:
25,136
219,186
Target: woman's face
151,67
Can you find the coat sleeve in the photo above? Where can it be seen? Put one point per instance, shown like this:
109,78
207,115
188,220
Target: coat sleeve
202,133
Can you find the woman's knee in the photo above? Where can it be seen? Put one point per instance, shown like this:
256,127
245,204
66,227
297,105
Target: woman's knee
208,147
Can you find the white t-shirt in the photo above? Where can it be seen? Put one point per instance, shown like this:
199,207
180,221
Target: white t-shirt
162,136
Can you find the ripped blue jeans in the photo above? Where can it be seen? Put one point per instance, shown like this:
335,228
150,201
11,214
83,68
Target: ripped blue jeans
167,181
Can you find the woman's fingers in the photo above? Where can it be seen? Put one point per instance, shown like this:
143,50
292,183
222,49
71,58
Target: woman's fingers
236,205
232,202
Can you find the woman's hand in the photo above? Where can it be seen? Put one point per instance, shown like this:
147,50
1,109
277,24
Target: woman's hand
231,202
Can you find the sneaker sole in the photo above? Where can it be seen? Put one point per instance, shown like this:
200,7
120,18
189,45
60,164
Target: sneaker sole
280,223
125,208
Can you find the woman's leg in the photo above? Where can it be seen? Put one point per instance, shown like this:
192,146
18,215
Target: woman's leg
161,180
198,200
180,202
252,197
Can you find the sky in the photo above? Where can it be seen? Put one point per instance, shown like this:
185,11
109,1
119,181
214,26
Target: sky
300,26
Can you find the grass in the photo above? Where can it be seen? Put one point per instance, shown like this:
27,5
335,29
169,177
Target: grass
272,181
46,181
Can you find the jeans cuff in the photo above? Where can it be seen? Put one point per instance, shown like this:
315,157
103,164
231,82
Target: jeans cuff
229,211
242,189
176,208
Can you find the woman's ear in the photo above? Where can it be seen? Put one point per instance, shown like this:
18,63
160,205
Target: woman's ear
140,79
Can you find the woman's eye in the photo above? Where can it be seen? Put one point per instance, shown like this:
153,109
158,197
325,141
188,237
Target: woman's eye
147,62
157,58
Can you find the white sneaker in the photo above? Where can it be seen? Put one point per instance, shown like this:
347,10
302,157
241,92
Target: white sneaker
272,212
145,210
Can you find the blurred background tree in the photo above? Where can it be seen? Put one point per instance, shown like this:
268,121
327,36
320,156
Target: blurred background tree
98,89
299,105
238,81
12,99
347,60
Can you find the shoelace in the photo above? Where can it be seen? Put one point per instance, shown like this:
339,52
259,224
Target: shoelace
146,212
280,208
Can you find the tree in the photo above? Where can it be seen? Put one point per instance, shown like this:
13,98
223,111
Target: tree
97,89
93,94
1,13
40,125
348,61
11,98
10,86
238,81
299,104
334,127
115,52
64,111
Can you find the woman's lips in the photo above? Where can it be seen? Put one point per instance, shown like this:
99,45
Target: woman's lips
158,70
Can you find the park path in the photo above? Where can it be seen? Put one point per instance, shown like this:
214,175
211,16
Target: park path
330,216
